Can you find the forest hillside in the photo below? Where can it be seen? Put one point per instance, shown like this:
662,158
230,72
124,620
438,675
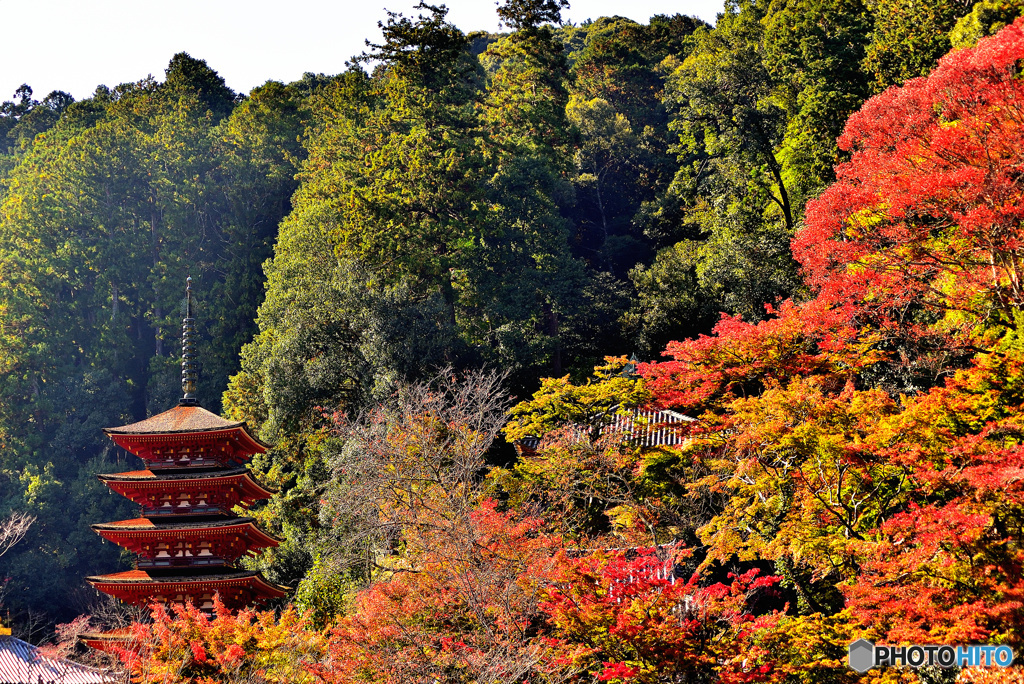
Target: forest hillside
798,230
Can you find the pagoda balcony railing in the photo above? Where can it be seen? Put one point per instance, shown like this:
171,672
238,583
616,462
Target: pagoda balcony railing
180,562
185,510
183,462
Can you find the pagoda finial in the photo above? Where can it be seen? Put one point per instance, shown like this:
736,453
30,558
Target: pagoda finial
189,365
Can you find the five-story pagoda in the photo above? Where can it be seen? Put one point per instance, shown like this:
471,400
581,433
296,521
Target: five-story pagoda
187,538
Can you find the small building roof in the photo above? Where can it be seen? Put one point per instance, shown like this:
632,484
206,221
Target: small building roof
639,427
22,663
121,637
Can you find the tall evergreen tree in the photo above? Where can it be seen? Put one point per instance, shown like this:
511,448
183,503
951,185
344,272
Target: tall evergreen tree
104,216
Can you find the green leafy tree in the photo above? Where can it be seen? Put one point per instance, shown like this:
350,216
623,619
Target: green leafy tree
410,199
909,37
985,18
742,204
105,213
524,111
669,300
814,50
623,167
360,289
727,114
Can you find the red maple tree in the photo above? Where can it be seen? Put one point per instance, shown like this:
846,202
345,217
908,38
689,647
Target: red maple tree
926,213
911,505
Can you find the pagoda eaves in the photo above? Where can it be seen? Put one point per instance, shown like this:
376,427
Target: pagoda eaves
173,492
214,542
187,436
140,587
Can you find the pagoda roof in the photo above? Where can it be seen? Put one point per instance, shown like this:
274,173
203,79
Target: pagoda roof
144,577
144,580
183,474
184,420
130,533
148,525
209,477
178,419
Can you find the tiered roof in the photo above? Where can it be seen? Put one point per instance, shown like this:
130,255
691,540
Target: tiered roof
187,537
225,488
216,440
227,539
236,588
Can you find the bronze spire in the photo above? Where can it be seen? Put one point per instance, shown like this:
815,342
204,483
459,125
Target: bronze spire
189,363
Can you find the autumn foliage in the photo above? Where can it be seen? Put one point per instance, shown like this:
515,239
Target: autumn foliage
461,610
627,617
926,213
868,441
852,466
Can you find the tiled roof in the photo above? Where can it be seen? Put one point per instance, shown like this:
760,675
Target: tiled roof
129,475
147,524
134,523
188,474
21,663
141,576
178,419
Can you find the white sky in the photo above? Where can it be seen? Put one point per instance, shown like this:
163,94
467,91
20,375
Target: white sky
75,45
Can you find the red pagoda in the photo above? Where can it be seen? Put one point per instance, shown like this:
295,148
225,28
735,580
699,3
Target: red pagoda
187,538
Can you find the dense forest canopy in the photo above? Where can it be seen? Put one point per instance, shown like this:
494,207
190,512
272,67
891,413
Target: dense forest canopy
802,225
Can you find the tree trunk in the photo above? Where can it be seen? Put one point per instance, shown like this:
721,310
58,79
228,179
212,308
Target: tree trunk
551,319
157,311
